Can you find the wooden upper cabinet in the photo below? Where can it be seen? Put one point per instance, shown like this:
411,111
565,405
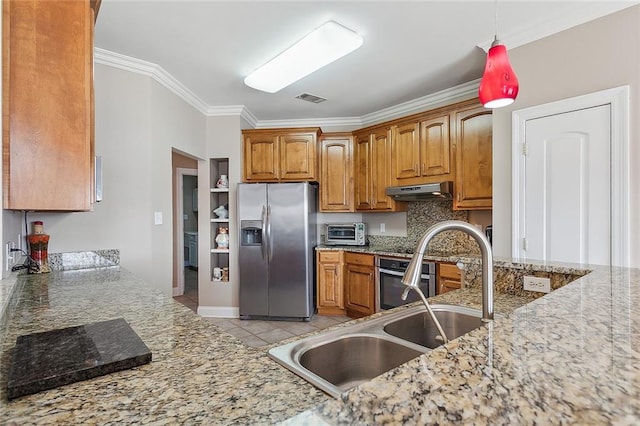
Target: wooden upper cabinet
261,158
406,150
422,151
362,171
48,105
435,148
284,155
336,172
474,165
372,153
381,173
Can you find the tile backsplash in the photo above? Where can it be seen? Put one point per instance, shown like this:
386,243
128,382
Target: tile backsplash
423,214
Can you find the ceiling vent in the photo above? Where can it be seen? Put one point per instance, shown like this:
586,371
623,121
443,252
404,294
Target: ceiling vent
310,98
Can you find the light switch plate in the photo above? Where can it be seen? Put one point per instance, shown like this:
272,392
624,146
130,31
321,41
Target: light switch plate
157,218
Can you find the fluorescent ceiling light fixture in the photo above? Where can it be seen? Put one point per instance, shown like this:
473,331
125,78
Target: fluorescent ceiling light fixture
324,45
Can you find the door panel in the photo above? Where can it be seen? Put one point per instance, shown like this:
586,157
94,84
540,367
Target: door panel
254,270
290,256
567,187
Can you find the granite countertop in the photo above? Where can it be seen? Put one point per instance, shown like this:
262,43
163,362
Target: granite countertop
199,374
569,357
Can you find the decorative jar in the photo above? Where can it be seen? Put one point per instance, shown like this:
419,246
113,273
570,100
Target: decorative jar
222,239
223,182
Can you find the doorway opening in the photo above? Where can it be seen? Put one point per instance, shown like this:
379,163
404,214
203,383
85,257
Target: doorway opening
185,229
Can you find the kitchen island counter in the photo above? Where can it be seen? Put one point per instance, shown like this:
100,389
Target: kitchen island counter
570,357
198,374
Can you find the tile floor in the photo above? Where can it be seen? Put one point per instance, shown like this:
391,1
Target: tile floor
255,333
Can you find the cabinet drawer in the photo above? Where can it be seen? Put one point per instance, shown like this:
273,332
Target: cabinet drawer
329,256
359,259
448,270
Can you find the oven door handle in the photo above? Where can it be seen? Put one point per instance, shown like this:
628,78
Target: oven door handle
399,274
390,272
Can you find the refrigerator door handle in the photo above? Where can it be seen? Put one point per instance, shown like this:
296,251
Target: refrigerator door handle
263,245
270,245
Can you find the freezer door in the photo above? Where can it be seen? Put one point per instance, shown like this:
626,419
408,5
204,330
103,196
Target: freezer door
290,250
252,259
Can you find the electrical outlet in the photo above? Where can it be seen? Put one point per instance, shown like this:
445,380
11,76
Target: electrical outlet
383,227
8,256
539,284
11,256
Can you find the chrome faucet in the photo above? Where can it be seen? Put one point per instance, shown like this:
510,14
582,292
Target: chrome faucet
411,276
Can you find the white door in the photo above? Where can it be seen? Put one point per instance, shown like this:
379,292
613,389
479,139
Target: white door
567,187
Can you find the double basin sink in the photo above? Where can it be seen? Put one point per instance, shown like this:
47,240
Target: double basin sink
343,358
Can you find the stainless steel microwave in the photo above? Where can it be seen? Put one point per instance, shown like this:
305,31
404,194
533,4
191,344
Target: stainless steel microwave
346,234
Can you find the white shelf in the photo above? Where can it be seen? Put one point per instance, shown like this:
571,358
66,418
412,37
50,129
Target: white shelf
219,220
219,250
219,189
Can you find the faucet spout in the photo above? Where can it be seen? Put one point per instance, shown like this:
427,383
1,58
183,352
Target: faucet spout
411,276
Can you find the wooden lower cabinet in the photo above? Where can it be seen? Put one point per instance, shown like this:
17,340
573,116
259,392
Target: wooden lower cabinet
449,278
330,291
359,284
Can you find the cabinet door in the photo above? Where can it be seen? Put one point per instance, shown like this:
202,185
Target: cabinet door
261,157
449,278
359,290
330,296
47,120
381,170
435,148
406,151
297,156
474,167
336,171
362,171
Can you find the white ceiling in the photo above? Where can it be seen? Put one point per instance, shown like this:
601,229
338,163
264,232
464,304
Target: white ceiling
411,49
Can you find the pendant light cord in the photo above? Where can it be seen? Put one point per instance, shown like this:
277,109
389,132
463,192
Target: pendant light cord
495,23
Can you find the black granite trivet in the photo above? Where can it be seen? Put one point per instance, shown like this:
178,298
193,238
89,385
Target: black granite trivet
58,357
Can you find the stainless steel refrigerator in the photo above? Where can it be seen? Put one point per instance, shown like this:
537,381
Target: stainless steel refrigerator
276,257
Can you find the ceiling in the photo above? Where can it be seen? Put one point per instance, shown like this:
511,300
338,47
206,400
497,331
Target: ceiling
411,49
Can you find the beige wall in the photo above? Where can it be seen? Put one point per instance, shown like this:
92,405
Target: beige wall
138,123
598,55
223,140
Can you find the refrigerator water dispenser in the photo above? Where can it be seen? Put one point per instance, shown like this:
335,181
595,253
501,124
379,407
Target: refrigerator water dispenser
251,232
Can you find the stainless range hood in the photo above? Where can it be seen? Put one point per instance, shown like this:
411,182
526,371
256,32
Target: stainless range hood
429,191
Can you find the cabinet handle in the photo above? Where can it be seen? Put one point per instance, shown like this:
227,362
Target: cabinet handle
424,168
459,198
417,169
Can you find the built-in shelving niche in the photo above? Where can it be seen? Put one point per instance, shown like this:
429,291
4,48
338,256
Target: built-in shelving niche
219,197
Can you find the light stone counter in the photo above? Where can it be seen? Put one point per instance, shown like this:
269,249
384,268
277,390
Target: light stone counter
198,374
570,357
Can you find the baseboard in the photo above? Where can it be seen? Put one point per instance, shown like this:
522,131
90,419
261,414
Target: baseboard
219,311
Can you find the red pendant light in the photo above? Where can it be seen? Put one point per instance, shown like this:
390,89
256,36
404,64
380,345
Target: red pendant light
499,84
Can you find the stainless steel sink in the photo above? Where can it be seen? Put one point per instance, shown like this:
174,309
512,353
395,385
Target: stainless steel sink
420,329
353,359
345,357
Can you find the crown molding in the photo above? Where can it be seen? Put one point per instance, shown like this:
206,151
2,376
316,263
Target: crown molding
116,60
460,92
156,72
324,123
588,11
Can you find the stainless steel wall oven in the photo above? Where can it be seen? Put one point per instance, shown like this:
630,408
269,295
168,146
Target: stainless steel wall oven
390,271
